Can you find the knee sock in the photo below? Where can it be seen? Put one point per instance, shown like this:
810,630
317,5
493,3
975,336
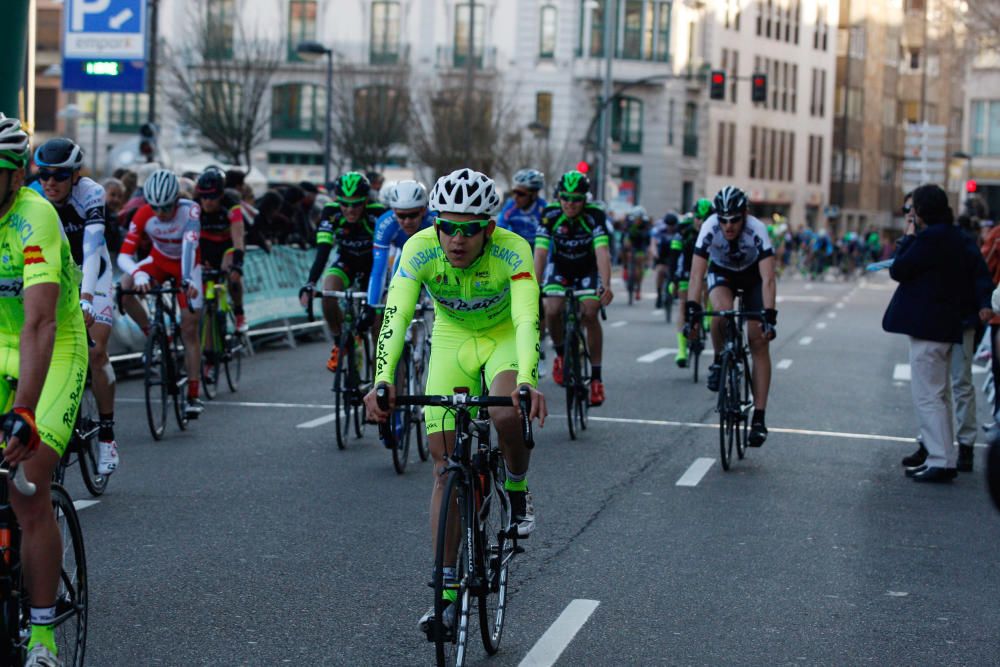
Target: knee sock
42,631
595,372
106,427
515,482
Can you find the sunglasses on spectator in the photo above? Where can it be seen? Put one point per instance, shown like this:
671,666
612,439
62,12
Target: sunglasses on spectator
59,174
907,208
351,203
572,198
466,229
408,215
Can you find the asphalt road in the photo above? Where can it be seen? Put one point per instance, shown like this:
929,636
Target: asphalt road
248,540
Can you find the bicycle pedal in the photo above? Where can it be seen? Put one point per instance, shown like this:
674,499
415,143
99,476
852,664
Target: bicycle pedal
518,549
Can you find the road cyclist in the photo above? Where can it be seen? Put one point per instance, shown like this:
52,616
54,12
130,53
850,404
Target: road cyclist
571,250
734,253
222,243
79,202
172,224
662,238
485,329
43,344
683,254
636,241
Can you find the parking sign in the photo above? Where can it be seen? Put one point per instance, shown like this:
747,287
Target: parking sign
105,29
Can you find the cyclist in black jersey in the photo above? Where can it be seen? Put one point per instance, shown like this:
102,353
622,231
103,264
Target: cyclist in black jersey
571,250
348,222
222,243
683,252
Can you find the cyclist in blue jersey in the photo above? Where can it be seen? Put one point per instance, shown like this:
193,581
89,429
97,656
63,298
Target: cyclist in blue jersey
407,215
522,214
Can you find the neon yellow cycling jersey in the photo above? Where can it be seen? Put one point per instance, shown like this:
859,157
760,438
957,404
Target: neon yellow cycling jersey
498,288
34,250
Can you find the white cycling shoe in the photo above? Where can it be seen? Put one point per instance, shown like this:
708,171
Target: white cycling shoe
107,460
41,656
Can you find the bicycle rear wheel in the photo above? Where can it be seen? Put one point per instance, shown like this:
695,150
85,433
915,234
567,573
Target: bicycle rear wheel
668,302
235,344
583,386
71,595
156,378
361,381
571,376
211,350
451,646
402,417
87,447
498,550
727,425
342,397
179,386
694,353
420,381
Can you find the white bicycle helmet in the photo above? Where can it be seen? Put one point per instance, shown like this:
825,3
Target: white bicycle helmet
405,195
13,144
465,191
529,178
161,188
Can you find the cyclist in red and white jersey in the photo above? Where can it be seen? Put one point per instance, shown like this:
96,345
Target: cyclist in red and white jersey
173,226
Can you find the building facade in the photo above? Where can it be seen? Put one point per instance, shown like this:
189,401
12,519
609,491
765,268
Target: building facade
982,140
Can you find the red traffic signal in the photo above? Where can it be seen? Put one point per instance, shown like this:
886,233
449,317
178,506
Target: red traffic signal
970,186
758,88
717,85
583,167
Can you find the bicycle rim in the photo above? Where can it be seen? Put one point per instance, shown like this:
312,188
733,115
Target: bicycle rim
341,400
210,356
235,344
570,380
359,378
694,353
155,380
498,550
451,650
747,404
71,596
401,417
87,446
180,386
725,418
583,389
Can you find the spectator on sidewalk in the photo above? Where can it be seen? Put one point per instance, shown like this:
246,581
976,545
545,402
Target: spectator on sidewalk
931,269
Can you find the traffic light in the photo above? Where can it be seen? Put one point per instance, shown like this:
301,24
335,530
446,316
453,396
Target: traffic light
147,141
758,88
717,85
970,186
583,167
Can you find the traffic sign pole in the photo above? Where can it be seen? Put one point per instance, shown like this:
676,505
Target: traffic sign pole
13,50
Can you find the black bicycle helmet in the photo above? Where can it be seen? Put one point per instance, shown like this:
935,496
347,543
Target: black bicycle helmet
670,219
351,186
573,183
211,184
60,153
731,201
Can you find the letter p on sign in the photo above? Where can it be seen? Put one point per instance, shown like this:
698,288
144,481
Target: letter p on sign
83,7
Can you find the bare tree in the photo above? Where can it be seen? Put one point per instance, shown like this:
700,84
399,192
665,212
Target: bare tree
218,82
535,150
371,113
982,19
452,129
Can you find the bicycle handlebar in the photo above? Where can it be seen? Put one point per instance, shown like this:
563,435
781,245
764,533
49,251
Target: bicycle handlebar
20,481
159,289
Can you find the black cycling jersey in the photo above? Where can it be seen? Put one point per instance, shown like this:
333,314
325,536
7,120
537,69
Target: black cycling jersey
571,243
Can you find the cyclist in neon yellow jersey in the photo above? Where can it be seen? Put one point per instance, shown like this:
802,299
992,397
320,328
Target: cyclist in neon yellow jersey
486,316
43,343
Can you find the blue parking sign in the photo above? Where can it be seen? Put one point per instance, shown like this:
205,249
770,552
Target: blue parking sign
104,29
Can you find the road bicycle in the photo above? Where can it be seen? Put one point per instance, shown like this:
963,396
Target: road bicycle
83,448
72,591
222,344
735,400
411,373
164,374
667,299
633,277
576,360
476,502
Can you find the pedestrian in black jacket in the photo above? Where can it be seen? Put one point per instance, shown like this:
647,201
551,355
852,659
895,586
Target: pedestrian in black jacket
933,298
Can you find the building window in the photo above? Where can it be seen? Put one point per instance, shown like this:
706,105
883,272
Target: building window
670,122
690,130
371,104
632,38
596,9
301,25
753,151
663,10
733,73
297,111
295,158
687,195
985,127
626,124
127,111
795,88
384,48
547,36
731,149
855,102
720,149
819,159
220,16
543,109
632,175
463,33
47,108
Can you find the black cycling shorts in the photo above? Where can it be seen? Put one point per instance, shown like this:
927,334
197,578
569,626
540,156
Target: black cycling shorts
748,281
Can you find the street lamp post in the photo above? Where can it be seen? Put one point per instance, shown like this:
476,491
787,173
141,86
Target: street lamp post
315,51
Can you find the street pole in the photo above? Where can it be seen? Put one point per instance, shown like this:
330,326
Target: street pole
609,47
328,132
154,24
470,79
13,53
97,117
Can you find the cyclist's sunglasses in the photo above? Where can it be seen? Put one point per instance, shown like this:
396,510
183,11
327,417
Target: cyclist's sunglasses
59,174
521,193
210,195
408,215
572,198
730,219
351,203
466,229
163,209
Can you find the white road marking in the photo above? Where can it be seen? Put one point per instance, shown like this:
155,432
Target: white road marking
821,325
901,372
251,404
695,472
550,646
84,504
619,323
785,364
792,298
808,286
656,354
805,340
319,421
840,305
832,314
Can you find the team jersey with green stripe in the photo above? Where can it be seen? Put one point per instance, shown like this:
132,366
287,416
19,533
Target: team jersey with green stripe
34,250
497,289
571,242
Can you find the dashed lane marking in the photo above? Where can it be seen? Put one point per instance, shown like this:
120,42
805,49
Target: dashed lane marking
84,504
319,421
619,323
656,354
695,472
785,364
832,314
805,340
550,646
821,325
901,373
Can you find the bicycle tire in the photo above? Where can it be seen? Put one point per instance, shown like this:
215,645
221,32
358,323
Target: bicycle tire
87,446
668,302
746,408
570,359
726,425
14,610
155,380
361,382
402,415
341,399
452,650
497,551
234,346
694,353
179,385
211,350
420,383
583,387
72,595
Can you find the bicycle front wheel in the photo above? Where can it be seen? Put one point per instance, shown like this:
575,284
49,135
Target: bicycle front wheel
211,351
571,378
402,416
87,447
342,398
727,424
451,639
361,381
179,389
156,378
235,344
498,550
71,595
746,408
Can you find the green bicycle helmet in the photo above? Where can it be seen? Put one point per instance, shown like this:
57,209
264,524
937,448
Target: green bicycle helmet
573,183
351,187
703,208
